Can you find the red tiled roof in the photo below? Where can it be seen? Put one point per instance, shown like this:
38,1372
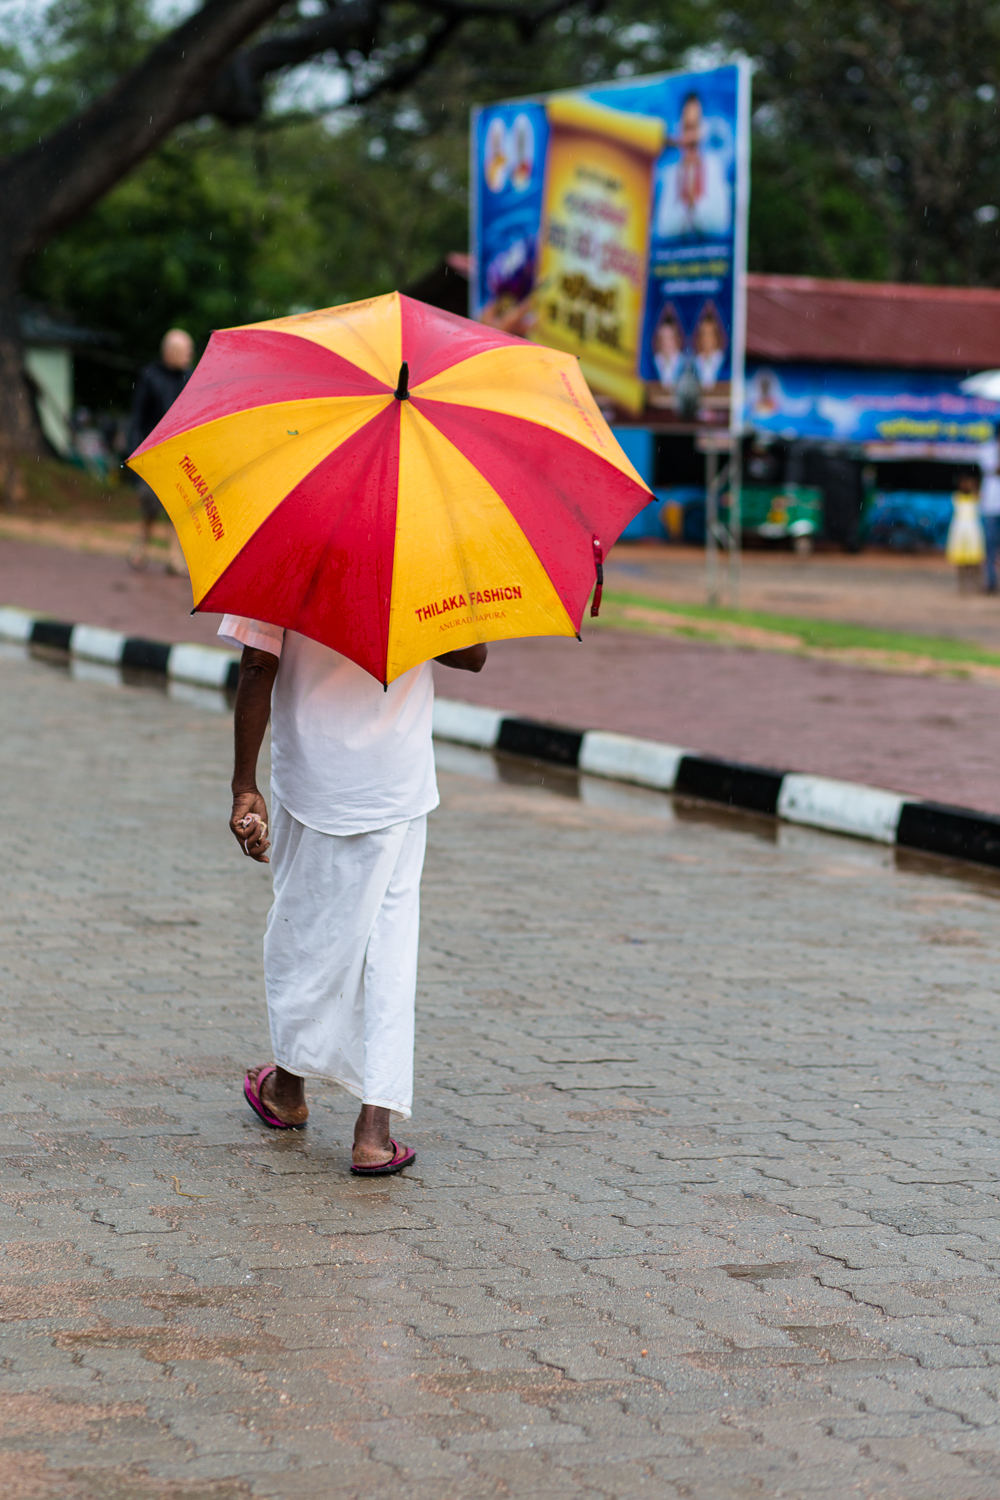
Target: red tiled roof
873,323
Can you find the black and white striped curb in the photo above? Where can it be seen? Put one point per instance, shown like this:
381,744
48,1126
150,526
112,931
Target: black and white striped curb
205,666
865,812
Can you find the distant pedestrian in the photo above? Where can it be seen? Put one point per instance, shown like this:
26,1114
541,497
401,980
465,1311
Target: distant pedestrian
156,390
352,782
989,510
966,547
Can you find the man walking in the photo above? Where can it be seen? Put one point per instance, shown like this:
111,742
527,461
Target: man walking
156,390
352,782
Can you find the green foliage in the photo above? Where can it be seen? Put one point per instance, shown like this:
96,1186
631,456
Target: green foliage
898,104
876,151
816,635
56,59
807,220
174,243
223,227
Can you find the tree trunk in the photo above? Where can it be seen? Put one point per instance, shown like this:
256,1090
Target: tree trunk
20,437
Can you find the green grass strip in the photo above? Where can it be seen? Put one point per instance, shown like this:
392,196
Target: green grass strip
831,635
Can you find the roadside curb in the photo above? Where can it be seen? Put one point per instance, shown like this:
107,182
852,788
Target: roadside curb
205,666
846,807
864,812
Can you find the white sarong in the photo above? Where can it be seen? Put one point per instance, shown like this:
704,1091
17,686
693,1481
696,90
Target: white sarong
340,955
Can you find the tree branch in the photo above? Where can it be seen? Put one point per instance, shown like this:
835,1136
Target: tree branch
197,70
236,95
49,185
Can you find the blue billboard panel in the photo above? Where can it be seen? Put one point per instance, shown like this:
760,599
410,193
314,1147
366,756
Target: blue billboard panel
891,408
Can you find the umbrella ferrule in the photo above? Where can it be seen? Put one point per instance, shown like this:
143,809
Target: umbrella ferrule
402,392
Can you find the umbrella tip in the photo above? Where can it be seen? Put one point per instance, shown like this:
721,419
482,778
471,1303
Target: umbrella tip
401,392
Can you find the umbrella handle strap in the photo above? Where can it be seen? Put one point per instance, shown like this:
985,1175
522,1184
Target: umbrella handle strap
595,605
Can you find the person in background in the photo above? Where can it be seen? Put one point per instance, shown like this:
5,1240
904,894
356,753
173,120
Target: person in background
966,547
989,510
156,390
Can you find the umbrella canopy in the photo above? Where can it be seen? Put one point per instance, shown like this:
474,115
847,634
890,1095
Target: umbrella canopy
391,480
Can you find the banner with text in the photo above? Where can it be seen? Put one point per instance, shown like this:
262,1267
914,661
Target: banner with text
611,223
890,408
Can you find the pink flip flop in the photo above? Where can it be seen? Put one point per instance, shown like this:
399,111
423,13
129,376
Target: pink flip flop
251,1093
402,1157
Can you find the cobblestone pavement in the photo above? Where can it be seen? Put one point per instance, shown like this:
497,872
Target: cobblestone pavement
705,1201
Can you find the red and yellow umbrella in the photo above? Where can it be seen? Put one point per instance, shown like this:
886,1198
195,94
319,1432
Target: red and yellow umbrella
391,480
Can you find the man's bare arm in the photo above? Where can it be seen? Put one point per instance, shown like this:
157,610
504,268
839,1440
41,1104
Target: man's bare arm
248,820
469,659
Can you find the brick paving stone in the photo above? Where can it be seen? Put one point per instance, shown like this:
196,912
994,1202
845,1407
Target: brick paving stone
704,1203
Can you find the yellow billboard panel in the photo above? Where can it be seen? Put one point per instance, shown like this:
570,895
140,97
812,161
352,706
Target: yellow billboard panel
594,243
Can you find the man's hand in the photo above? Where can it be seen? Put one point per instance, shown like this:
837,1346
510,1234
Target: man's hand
248,821
469,659
249,825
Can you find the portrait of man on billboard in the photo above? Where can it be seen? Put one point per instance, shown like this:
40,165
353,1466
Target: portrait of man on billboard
710,345
668,346
694,194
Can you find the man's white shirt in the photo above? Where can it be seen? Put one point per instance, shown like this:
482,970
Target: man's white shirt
347,755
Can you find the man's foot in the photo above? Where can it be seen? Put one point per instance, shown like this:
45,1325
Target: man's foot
372,1146
138,559
282,1094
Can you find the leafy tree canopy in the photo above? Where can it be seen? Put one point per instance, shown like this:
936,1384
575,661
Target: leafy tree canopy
875,149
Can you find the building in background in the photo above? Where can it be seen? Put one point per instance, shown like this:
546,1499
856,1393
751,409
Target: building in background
53,344
856,421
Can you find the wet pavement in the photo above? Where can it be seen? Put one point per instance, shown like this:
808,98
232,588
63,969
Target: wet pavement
707,1111
923,736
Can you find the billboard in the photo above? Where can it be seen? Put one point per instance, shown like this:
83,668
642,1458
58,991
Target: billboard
610,222
898,408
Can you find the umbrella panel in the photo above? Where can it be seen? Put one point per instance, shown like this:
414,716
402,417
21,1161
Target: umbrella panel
220,483
463,569
559,493
367,335
243,372
539,385
321,564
